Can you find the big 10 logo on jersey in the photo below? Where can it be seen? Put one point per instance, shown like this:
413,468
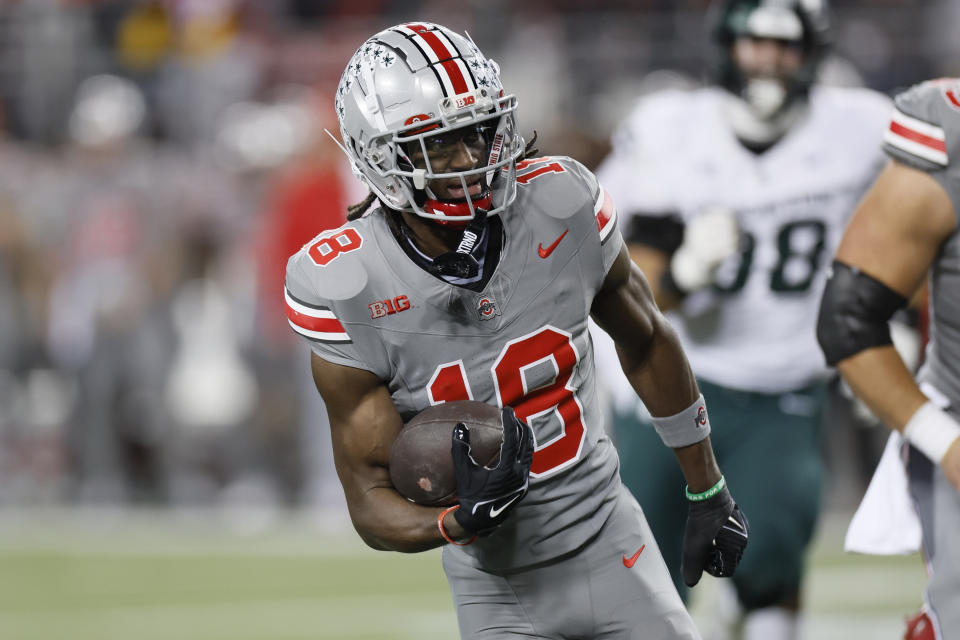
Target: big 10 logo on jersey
382,308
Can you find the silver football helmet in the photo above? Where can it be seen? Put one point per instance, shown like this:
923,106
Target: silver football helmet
408,86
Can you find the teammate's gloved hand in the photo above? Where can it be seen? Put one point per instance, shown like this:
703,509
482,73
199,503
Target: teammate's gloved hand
708,239
714,539
487,495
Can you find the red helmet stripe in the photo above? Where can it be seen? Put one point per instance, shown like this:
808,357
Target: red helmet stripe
433,41
446,56
456,76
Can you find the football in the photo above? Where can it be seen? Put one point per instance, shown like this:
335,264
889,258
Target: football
421,467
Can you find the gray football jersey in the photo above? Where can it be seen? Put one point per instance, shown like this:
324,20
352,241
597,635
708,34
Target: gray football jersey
924,133
521,342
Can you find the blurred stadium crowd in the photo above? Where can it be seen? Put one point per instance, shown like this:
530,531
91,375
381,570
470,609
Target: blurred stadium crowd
160,159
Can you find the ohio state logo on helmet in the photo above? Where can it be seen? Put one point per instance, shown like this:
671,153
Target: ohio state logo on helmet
421,117
487,308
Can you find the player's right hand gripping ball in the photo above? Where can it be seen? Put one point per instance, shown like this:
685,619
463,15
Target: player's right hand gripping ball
487,495
714,539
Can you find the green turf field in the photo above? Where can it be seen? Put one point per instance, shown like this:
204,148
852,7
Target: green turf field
96,576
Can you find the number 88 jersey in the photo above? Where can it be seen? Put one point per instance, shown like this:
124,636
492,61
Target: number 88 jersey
676,155
521,341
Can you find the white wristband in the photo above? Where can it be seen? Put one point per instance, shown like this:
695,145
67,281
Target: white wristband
685,428
931,431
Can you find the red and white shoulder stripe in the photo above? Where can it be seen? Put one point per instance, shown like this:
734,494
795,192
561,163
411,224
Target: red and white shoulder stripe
314,321
918,138
444,57
606,214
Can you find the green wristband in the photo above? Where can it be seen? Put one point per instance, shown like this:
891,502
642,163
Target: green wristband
709,493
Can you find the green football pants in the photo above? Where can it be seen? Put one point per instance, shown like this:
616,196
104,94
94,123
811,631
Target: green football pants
768,449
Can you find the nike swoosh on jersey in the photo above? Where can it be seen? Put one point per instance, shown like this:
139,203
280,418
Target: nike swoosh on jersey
495,511
629,562
545,253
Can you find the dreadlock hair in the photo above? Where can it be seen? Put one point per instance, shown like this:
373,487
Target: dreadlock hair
530,151
355,211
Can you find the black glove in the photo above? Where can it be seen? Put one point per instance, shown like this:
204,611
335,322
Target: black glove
714,539
487,495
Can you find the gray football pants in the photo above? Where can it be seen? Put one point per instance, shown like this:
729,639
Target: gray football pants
591,594
938,504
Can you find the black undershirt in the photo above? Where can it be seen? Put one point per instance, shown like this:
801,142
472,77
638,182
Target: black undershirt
486,251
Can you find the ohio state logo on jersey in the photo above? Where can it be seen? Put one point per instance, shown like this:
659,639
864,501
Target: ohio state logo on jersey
487,308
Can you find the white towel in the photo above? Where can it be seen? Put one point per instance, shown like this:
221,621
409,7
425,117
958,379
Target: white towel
886,522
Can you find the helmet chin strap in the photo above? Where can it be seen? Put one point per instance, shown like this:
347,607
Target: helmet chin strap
761,118
461,263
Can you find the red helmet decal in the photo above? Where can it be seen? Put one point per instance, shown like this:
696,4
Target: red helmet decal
420,117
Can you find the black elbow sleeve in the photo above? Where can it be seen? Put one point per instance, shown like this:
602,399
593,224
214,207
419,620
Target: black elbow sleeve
854,313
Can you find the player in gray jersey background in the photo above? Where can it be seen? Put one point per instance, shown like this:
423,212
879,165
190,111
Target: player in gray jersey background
904,231
733,197
474,278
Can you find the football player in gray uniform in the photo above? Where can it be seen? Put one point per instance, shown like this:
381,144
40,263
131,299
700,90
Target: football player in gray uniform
904,231
733,197
474,278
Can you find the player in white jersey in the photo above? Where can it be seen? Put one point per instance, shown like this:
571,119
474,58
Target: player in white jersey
904,231
474,278
732,197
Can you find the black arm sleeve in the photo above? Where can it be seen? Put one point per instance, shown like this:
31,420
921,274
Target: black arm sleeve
854,313
663,232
